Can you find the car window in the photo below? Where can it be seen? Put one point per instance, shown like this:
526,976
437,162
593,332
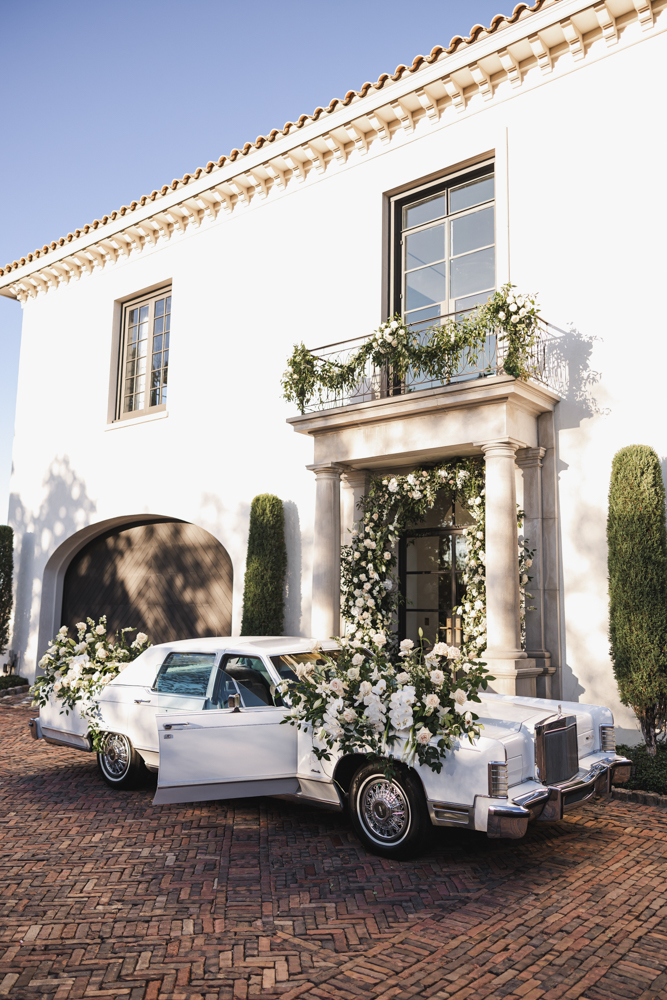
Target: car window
253,678
186,674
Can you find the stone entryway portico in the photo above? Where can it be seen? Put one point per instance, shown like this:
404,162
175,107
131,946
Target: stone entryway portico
510,423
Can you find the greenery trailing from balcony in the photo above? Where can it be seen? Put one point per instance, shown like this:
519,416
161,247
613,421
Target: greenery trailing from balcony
637,563
439,352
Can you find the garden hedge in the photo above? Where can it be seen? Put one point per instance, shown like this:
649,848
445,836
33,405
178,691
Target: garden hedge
637,563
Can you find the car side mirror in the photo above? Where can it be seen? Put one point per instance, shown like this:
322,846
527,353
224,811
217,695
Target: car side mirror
233,702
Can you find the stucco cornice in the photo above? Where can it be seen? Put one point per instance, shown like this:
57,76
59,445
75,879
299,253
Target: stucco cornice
434,91
532,397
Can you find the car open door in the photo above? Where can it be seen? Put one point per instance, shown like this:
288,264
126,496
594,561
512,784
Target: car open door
225,752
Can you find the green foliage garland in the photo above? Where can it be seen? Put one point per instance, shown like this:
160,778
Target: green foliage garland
6,580
263,594
369,595
76,671
637,564
438,353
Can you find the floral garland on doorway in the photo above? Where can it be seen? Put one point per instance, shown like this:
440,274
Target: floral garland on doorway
369,591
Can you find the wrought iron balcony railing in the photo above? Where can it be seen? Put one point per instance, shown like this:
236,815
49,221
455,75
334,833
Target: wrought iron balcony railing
544,363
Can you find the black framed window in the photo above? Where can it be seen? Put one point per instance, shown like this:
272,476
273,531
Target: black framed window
443,247
431,560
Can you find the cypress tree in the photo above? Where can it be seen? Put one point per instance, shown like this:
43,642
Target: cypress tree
637,563
263,592
6,576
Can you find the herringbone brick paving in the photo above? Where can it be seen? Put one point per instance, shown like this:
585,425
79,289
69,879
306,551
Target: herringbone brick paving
104,895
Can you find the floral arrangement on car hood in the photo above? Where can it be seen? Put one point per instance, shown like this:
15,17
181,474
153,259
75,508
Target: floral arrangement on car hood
75,672
366,700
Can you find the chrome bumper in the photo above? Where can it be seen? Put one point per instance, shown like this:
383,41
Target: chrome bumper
35,730
548,804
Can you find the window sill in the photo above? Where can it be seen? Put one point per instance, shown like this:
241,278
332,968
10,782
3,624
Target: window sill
133,421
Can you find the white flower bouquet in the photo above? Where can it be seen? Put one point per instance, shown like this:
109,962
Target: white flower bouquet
76,671
366,701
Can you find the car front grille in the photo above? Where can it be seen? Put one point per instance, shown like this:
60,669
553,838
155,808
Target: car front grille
556,749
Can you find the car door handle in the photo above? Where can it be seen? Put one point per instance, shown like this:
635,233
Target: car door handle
142,701
175,725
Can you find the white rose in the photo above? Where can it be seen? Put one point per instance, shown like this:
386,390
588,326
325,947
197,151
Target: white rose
431,701
501,315
365,688
353,674
529,562
357,555
80,626
379,639
102,654
357,660
393,486
480,640
402,678
141,638
63,630
513,307
524,579
479,605
349,715
437,677
337,686
454,653
360,602
407,644
515,319
440,649
460,697
423,736
100,630
387,556
393,325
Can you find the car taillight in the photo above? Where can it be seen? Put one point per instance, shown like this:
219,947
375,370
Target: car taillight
498,783
607,739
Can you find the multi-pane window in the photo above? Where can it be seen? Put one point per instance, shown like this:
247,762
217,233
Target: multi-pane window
432,558
444,259
145,354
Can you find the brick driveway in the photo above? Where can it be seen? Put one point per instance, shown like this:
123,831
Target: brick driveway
104,895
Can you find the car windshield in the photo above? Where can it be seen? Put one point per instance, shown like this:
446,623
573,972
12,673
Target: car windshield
286,663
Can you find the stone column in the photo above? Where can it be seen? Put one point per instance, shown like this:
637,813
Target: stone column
325,621
354,487
530,461
514,672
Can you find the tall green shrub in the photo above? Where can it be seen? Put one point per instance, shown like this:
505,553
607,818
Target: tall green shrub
6,576
637,563
263,600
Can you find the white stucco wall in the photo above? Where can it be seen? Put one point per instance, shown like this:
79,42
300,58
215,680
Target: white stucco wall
579,221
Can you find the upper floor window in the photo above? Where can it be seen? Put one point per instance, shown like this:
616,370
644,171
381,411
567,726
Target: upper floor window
145,354
444,258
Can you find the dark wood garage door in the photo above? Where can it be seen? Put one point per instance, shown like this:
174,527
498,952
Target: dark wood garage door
170,579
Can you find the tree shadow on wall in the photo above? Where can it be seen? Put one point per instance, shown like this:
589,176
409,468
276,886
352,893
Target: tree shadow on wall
64,510
567,357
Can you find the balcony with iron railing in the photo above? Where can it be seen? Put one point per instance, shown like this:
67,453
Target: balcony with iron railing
543,362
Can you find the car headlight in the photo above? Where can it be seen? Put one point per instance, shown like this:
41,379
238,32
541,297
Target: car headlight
607,739
498,783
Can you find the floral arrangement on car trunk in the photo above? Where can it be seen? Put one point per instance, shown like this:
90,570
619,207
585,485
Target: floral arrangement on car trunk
76,671
438,352
366,700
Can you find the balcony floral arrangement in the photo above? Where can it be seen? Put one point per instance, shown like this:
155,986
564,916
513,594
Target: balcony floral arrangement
76,671
368,699
438,352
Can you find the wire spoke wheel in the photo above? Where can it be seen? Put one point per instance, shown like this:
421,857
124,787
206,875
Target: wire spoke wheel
389,814
384,810
118,761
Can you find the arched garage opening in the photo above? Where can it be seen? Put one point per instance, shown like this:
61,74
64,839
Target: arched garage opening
170,579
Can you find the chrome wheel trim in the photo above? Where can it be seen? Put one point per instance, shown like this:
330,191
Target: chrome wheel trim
115,756
384,810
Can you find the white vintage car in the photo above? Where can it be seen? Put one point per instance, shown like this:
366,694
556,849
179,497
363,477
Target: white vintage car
206,715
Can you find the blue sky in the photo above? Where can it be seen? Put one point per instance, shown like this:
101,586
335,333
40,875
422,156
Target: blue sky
106,101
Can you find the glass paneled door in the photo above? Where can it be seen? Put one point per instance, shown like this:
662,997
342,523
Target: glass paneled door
431,563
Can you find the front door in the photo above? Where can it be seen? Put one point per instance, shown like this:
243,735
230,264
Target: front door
221,752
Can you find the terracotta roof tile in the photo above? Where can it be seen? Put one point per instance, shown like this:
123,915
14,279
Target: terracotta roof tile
476,32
